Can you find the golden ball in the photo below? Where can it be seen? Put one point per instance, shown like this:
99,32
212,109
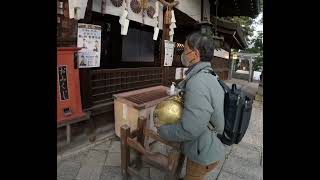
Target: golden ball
169,111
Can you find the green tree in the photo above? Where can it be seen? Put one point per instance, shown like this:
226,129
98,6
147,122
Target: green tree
246,22
257,64
257,48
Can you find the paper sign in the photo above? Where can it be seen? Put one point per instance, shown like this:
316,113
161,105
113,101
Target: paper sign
179,74
89,39
169,50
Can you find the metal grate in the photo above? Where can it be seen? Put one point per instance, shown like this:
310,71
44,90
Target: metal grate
147,96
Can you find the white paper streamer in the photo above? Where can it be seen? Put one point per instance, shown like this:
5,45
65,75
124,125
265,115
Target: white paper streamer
173,18
173,25
123,17
124,28
171,32
155,33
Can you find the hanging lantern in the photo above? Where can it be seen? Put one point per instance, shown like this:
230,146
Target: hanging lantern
218,42
206,27
234,56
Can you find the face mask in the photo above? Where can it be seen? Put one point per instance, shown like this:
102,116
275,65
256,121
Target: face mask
184,60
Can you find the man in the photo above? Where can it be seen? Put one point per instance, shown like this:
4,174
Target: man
203,101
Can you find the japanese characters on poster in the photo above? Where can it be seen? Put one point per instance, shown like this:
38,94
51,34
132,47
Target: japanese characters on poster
169,51
89,39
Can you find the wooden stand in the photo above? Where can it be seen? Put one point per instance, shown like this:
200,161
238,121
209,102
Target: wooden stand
171,164
68,124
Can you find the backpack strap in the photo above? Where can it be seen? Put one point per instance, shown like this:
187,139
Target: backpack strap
210,125
224,86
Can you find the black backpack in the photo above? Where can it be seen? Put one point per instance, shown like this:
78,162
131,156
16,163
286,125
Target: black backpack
237,113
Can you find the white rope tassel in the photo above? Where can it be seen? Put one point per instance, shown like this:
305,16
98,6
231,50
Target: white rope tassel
155,33
125,27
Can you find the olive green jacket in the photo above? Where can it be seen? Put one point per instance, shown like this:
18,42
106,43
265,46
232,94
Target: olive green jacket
203,100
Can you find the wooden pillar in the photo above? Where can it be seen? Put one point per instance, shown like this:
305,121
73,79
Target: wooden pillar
202,10
68,134
125,155
140,138
231,65
165,36
85,87
250,69
180,165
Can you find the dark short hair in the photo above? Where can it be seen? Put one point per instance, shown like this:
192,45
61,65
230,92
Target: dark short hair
203,43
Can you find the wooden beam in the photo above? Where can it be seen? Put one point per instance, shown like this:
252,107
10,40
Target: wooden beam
179,167
165,36
125,155
154,164
134,133
173,160
75,120
68,133
137,146
201,10
85,87
231,64
154,157
140,138
153,135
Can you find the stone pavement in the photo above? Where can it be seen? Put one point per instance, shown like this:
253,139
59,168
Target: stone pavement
246,159
101,160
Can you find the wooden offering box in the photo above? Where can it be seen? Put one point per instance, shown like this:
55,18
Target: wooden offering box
129,106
